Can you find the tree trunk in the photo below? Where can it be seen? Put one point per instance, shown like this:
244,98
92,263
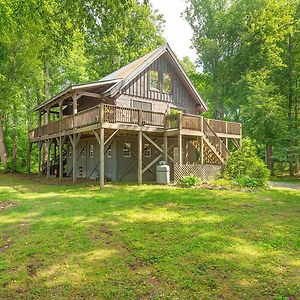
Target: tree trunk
47,96
269,159
28,107
290,103
3,149
15,140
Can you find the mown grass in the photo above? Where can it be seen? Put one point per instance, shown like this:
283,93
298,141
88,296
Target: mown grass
147,242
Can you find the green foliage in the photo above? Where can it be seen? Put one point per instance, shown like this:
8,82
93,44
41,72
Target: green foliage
249,182
46,46
189,181
174,112
250,55
245,167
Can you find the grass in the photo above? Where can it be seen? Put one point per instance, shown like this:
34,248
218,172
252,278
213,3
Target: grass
146,242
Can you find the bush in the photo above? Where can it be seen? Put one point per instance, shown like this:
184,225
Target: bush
246,168
246,181
189,181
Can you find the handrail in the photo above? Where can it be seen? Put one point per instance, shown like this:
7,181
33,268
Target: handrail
222,146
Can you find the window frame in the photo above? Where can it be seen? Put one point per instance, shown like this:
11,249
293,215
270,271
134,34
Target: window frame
157,88
91,151
127,150
147,151
171,83
109,152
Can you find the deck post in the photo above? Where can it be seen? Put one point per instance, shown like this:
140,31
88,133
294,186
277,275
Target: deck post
180,139
165,148
101,145
74,158
39,157
140,157
48,148
60,145
101,158
201,150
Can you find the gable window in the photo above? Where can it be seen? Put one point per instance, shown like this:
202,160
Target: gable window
91,151
154,80
167,83
109,154
127,150
147,150
141,105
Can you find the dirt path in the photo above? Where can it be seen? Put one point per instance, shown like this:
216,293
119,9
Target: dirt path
286,185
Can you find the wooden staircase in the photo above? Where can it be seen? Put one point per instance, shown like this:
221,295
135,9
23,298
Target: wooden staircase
214,150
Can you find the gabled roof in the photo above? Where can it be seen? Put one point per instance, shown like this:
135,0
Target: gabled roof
127,73
117,80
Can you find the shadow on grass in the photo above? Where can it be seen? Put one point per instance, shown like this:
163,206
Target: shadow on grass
148,242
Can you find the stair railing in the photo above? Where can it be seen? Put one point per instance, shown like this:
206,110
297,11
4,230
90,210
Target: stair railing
213,138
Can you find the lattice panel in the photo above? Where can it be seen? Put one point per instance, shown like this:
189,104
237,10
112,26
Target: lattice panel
205,172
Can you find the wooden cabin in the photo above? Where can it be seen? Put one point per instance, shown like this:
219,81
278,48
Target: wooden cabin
120,127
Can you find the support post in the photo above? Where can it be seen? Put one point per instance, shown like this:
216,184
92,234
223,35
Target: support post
140,157
74,158
101,145
60,158
101,158
165,148
180,139
48,147
201,151
180,148
39,157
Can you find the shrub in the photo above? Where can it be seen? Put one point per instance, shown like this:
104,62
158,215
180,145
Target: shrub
189,181
246,181
246,168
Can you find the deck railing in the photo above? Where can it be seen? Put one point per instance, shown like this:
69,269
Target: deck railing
114,114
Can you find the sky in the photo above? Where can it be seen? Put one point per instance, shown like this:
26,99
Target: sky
178,32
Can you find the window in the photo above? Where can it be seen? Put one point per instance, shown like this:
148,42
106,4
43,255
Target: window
70,152
147,106
83,153
154,80
167,83
127,150
142,105
109,153
137,104
147,150
91,151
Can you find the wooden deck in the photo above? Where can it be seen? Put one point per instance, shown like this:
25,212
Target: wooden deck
113,117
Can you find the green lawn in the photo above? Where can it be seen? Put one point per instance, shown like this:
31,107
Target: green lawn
146,242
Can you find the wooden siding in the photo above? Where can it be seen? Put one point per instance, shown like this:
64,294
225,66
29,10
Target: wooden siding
180,96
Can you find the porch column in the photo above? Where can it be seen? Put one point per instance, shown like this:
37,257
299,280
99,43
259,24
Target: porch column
60,145
101,158
39,157
180,139
201,150
140,157
48,148
74,157
180,149
165,148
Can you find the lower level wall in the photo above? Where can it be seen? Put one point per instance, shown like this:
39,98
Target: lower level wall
120,165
